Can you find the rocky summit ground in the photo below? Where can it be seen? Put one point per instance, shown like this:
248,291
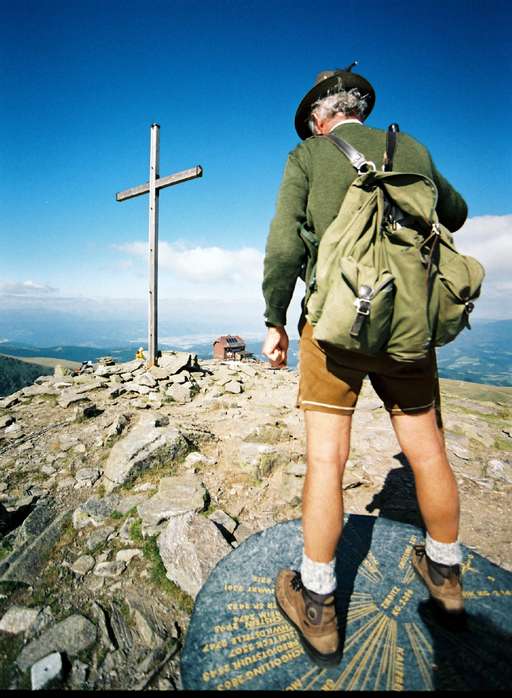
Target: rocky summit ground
121,488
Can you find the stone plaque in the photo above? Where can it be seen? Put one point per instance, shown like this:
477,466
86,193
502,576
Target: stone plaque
393,636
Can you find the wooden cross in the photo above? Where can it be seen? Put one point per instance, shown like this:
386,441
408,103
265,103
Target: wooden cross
153,187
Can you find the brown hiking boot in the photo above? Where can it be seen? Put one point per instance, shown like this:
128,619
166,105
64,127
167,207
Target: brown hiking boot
312,615
442,581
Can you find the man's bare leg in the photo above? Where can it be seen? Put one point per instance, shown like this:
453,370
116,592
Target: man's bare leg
328,445
423,444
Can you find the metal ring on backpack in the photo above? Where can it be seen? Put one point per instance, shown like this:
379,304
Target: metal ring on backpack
370,167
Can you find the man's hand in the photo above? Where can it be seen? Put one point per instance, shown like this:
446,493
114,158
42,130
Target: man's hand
275,346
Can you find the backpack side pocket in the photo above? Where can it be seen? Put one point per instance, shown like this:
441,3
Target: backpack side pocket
457,285
358,308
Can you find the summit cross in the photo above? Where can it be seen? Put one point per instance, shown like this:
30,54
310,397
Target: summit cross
153,188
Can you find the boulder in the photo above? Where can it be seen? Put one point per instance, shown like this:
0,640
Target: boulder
147,379
71,636
180,393
83,564
176,495
68,398
46,670
18,619
176,361
6,421
143,447
190,546
234,387
222,519
259,459
110,569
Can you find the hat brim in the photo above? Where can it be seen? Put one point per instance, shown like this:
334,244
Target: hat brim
326,87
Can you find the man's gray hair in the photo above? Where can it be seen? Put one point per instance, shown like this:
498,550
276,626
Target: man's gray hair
348,102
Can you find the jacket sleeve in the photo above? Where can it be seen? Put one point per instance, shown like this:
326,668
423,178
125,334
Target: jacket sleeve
285,252
451,207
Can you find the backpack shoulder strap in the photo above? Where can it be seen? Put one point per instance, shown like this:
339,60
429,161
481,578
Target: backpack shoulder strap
357,159
387,164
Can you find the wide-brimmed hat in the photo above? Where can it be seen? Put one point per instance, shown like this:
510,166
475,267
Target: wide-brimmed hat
329,82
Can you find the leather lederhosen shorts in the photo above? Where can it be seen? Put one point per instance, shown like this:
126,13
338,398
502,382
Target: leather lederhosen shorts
330,379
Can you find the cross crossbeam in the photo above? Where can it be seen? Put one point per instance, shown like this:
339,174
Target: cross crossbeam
161,183
153,187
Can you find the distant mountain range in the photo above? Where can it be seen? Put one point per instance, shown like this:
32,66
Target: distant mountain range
481,355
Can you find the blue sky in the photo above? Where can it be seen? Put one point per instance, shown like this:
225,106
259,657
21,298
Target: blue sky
82,80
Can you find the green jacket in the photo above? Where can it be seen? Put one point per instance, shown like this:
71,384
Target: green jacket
315,181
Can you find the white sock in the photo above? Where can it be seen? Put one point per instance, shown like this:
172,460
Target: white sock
443,553
318,576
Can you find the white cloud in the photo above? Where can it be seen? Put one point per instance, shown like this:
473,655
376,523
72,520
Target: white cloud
204,264
25,288
489,240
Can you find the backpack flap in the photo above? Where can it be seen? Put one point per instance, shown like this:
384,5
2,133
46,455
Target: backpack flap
414,194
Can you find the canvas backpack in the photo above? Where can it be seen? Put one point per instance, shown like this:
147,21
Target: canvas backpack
386,276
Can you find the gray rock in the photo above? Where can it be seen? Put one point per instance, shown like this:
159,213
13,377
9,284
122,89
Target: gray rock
242,532
143,447
180,393
96,385
115,392
297,469
196,458
147,379
6,421
130,502
259,459
13,428
118,426
499,470
145,487
267,433
134,387
71,636
190,546
130,366
176,361
110,569
87,475
98,537
46,670
18,619
291,491
128,554
86,410
125,530
220,517
83,565
26,563
69,398
65,482
99,508
176,495
35,523
10,400
146,630
33,390
233,387
78,675
160,373
182,377
460,452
